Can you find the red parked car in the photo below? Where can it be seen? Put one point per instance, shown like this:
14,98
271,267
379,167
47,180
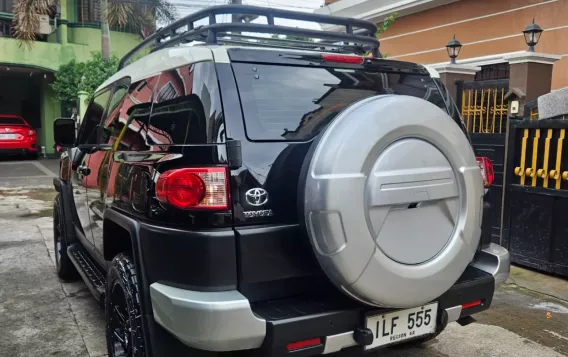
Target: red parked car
17,136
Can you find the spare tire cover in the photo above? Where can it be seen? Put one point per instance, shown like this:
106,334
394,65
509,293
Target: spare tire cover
392,201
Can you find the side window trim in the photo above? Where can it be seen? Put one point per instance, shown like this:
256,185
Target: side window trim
84,120
187,94
129,103
123,83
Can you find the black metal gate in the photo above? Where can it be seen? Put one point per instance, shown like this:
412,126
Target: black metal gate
535,228
484,111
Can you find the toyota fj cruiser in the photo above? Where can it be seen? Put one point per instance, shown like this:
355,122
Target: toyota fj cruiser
231,192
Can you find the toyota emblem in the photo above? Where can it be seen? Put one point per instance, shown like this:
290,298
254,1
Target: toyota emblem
256,196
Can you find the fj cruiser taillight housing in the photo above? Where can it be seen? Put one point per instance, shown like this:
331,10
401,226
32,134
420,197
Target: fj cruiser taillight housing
486,170
194,188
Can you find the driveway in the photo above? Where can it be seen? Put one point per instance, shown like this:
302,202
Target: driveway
29,173
42,316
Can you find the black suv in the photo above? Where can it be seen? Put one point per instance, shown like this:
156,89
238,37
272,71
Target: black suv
229,192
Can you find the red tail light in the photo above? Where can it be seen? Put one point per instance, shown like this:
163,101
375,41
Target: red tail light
486,170
294,346
194,188
342,58
471,304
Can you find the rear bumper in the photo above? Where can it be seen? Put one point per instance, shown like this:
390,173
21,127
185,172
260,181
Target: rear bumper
494,260
213,321
18,147
226,321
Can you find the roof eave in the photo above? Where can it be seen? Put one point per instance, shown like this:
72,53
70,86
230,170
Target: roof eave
378,10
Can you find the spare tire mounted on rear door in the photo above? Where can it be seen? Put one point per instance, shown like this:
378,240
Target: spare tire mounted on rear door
392,199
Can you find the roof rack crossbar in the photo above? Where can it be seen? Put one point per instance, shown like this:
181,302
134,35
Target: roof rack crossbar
334,48
358,32
245,43
272,40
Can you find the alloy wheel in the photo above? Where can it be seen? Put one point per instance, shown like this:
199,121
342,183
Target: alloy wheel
120,323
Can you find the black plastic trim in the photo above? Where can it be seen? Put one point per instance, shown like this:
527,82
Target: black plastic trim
486,233
282,332
474,284
168,255
277,262
194,260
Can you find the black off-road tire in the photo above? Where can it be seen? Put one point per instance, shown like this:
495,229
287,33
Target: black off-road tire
124,333
61,239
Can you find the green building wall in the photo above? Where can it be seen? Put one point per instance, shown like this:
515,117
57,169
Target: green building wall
72,41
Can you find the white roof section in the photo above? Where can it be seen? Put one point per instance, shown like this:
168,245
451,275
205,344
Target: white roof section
166,59
432,71
377,10
175,57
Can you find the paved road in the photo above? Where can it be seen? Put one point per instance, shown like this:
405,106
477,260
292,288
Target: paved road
36,173
41,316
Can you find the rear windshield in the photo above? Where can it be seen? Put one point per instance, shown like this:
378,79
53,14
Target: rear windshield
295,103
11,121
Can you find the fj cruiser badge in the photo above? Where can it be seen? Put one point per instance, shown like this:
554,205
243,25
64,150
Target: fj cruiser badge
256,197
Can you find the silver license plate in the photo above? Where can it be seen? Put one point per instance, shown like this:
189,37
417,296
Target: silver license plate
402,325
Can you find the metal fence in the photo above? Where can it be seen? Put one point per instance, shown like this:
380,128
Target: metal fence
540,156
484,110
536,193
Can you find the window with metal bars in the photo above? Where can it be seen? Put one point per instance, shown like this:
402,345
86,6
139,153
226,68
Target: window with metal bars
6,6
493,71
5,28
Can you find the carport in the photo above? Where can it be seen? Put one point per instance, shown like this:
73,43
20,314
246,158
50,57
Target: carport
25,91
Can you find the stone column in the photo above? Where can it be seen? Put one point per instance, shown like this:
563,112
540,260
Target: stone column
452,74
531,74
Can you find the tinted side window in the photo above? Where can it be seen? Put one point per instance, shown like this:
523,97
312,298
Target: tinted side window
127,123
93,116
187,107
119,93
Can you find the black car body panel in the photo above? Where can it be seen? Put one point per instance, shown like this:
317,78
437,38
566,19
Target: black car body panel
258,245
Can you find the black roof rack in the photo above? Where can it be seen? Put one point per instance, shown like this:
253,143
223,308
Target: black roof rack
358,37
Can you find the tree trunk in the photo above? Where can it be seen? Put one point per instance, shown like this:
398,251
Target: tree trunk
105,30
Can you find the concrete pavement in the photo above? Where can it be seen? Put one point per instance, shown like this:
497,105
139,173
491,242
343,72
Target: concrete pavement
28,173
42,316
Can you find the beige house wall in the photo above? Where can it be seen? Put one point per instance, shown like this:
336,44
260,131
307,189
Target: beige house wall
484,27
